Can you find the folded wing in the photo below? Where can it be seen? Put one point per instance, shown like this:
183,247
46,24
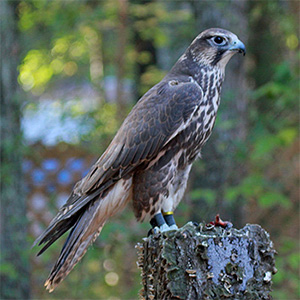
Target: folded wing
159,116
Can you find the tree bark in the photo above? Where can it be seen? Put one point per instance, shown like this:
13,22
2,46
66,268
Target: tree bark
13,227
207,262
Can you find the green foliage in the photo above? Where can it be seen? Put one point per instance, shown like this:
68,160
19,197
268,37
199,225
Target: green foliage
273,130
66,41
104,127
9,270
287,264
60,54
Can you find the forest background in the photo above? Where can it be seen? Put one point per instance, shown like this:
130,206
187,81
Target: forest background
72,70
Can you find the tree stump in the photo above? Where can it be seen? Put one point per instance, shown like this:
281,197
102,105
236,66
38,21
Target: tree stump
207,262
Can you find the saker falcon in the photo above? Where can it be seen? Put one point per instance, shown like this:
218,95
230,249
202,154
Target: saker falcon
150,158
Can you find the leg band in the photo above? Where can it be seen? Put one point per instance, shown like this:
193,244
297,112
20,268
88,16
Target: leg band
169,218
157,220
167,213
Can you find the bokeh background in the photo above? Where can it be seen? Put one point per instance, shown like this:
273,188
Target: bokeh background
72,70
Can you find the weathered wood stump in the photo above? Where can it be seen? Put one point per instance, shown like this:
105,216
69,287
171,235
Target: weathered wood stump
207,262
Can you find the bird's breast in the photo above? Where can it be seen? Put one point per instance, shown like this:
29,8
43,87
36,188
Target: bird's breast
202,123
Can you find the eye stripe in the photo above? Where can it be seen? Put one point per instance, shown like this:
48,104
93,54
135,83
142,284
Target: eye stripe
218,57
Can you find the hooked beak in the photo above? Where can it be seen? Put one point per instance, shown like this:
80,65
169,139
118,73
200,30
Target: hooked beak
238,46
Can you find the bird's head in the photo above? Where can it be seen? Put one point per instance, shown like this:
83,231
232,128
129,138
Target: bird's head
215,47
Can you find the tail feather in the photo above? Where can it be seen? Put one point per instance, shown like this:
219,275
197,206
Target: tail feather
56,233
64,220
86,224
84,232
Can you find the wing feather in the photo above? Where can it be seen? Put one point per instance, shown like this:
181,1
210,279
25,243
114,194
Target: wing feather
157,118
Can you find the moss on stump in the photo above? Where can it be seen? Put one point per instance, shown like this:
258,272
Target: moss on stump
207,262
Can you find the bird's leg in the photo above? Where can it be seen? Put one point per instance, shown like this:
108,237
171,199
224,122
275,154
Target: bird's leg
159,221
169,218
164,222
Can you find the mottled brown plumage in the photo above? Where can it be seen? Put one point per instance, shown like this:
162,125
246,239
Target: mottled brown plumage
150,157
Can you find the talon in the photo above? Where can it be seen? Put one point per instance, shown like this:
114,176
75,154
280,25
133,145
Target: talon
156,230
164,228
173,227
219,222
162,223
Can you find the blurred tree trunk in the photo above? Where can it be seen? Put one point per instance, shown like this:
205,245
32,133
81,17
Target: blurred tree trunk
14,247
122,39
142,45
266,48
223,169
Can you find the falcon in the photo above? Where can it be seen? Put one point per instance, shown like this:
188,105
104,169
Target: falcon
150,157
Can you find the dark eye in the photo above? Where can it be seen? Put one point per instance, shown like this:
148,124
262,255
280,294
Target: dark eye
219,40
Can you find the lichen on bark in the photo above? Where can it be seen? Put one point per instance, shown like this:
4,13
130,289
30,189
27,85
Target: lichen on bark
207,262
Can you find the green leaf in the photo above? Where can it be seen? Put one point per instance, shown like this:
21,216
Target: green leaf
8,270
264,145
287,135
270,199
252,185
232,193
294,261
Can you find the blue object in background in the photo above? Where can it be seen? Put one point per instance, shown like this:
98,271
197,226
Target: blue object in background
51,188
50,164
75,164
64,177
38,176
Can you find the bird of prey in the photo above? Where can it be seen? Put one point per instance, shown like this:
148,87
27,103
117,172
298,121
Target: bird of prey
150,158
